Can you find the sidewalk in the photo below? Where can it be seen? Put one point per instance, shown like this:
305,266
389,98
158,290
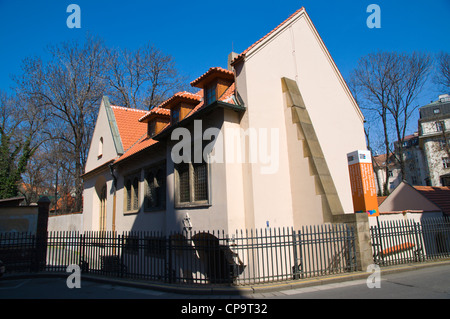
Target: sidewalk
236,290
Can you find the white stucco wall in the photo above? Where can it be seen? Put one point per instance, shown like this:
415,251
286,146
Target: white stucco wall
295,51
398,217
101,130
69,222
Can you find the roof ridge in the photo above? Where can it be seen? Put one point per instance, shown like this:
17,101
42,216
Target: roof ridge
239,56
127,108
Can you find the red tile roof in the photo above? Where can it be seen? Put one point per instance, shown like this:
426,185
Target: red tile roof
240,56
132,124
143,143
440,196
180,96
130,129
212,72
154,112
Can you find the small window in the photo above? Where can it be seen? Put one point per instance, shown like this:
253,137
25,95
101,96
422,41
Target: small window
131,193
436,111
135,193
442,144
446,162
192,182
128,193
175,115
151,129
100,148
439,126
200,182
183,182
211,94
155,194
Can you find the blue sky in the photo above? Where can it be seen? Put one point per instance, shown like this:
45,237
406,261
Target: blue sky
200,34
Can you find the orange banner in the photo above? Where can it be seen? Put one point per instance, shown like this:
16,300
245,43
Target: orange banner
362,181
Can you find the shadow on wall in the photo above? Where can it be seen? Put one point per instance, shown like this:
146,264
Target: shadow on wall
435,233
180,256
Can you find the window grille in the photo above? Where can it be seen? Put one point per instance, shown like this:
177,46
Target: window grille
155,196
128,189
135,193
200,182
183,182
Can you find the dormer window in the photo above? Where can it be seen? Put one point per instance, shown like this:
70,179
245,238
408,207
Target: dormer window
157,119
175,113
151,128
180,105
214,83
211,93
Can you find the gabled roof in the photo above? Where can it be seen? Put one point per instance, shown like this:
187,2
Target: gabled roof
440,196
424,199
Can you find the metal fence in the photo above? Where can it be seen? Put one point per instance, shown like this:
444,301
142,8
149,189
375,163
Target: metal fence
404,241
244,257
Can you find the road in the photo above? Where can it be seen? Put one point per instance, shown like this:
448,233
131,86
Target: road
425,283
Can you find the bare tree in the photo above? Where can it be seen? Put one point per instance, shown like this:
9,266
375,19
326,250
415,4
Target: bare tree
67,89
442,77
70,87
389,83
143,78
371,79
408,78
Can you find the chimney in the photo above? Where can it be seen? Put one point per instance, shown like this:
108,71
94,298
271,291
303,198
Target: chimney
231,57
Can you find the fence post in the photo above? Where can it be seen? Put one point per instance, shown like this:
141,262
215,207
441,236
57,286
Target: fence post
169,258
41,233
363,249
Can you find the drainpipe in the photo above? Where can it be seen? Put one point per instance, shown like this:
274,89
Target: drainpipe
111,169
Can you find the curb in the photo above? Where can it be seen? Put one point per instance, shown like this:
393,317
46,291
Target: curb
235,290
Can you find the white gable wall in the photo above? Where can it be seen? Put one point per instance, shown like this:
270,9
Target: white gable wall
102,130
295,51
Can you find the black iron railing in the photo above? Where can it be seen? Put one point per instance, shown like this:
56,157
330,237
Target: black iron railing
244,257
405,241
